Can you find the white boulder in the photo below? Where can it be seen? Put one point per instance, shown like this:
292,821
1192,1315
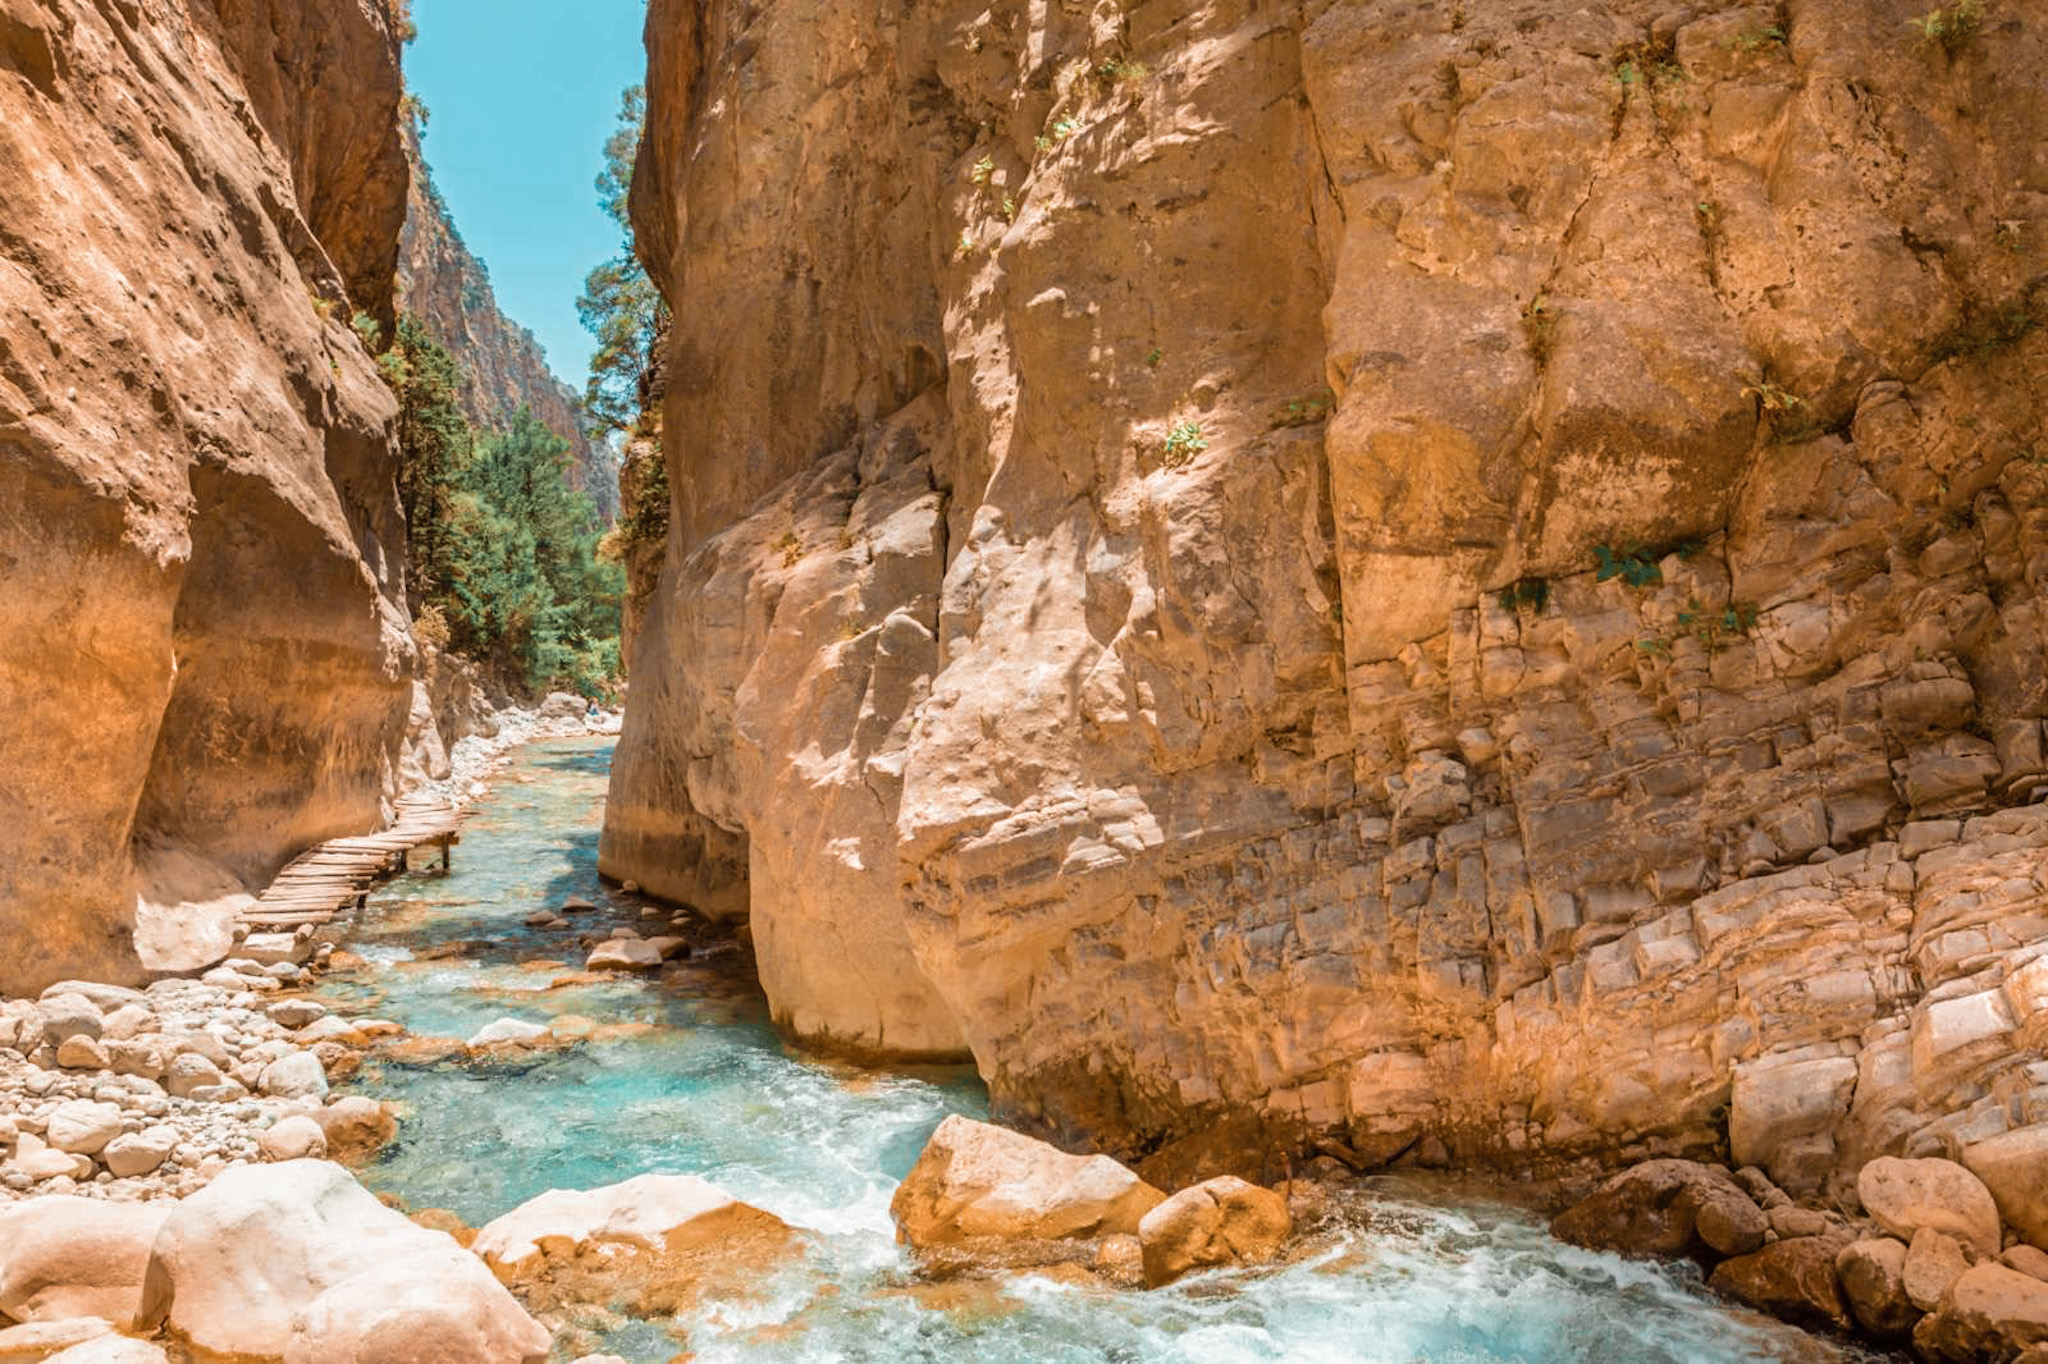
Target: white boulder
239,1263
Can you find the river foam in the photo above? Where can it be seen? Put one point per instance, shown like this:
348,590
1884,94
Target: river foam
1402,1273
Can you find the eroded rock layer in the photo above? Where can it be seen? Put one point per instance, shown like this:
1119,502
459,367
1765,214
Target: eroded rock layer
200,545
1366,569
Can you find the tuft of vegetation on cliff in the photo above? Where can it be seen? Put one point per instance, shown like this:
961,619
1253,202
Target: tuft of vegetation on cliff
504,559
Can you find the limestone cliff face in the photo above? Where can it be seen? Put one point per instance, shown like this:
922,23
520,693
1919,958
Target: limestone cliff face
201,552
503,366
1365,569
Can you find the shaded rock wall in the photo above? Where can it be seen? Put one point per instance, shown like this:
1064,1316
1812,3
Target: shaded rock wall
201,552
1135,602
503,366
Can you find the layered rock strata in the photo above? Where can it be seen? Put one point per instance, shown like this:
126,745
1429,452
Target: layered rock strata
1365,570
201,552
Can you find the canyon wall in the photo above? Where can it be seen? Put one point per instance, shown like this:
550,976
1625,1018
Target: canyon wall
503,367
201,551
1367,574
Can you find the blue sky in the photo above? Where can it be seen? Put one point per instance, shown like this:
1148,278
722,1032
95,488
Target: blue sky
522,95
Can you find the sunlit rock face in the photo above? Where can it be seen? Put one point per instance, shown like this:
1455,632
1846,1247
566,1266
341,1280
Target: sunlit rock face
1363,569
200,543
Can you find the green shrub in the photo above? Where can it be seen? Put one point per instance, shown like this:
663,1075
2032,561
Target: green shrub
1184,440
1773,397
1713,629
1636,565
1758,37
1062,129
1309,410
1533,593
1952,26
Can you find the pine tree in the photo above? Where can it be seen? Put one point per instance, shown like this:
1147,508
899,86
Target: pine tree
435,448
620,305
502,547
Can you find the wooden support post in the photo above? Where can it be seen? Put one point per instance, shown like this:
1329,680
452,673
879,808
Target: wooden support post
447,854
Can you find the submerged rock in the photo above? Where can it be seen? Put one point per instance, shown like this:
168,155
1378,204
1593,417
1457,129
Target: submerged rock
505,1030
975,1180
656,1241
1224,1221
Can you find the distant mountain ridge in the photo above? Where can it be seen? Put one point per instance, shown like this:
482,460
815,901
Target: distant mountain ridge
504,367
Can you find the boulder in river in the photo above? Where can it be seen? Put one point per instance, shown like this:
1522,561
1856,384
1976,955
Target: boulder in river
624,954
296,1013
509,1030
1793,1280
239,1264
1222,1221
977,1181
655,1240
1666,1208
63,1257
355,1126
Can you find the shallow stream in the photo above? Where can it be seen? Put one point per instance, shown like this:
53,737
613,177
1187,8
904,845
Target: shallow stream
696,1081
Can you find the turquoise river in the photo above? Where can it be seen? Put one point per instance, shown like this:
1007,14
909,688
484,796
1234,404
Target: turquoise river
685,1074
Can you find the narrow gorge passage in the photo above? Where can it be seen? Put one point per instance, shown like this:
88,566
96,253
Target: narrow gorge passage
1124,681
682,1074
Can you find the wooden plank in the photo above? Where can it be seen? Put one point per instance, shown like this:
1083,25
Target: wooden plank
326,880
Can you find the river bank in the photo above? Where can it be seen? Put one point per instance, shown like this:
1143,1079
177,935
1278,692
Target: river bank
485,1063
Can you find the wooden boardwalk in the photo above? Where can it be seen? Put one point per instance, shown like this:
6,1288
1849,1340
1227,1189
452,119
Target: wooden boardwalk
324,881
